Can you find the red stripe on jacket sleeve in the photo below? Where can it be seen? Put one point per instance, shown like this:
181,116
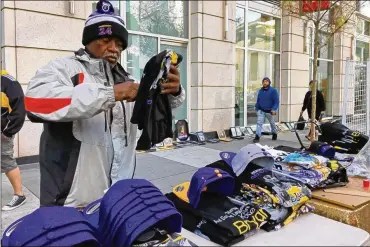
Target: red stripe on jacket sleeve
45,105
81,78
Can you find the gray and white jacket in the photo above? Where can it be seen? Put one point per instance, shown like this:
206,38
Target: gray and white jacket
83,147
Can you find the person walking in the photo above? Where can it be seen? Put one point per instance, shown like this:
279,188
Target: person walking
86,102
307,104
13,115
266,106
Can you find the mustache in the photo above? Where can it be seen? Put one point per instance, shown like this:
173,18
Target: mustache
109,54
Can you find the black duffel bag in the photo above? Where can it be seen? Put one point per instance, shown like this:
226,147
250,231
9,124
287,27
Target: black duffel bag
338,135
301,123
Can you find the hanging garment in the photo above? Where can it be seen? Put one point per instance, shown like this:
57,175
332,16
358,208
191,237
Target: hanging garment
152,110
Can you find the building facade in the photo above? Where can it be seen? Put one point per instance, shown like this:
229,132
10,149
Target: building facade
228,47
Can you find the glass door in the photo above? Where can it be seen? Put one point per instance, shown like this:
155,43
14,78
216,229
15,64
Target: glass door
260,65
182,111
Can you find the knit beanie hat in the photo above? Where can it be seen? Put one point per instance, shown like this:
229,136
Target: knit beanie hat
103,22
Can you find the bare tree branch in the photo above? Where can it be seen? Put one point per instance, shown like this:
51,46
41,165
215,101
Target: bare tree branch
326,11
339,17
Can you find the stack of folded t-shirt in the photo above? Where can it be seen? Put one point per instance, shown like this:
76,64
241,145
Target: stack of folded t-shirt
284,198
209,213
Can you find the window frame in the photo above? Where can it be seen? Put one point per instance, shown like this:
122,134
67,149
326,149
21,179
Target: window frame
246,49
311,31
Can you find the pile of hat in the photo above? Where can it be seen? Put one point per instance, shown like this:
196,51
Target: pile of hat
128,209
51,226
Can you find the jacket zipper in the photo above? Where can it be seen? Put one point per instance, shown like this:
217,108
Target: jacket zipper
105,84
105,118
124,122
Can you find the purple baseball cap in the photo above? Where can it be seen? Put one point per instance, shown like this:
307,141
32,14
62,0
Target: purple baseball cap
91,213
50,226
211,180
134,209
250,153
162,216
130,207
121,193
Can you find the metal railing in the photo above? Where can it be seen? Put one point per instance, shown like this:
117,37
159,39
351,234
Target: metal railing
356,96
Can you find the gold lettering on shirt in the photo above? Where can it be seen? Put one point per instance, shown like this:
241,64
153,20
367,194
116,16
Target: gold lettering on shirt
255,220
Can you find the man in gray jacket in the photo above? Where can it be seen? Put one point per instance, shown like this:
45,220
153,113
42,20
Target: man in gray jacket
85,102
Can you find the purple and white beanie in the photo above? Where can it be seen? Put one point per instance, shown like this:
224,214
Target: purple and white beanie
103,22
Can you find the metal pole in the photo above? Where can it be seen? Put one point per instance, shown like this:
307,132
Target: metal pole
345,96
368,97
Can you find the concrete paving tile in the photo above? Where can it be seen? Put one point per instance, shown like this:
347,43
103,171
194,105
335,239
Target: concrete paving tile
195,156
151,167
33,185
236,145
8,217
6,191
31,173
30,166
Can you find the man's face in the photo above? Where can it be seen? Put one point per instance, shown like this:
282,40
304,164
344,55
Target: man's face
107,48
310,86
265,83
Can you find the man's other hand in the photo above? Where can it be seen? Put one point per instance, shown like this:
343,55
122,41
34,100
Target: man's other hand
126,91
173,85
273,112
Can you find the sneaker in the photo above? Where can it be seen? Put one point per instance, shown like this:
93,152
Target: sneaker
256,139
16,202
274,137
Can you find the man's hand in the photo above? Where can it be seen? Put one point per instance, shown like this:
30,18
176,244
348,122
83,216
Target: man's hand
273,112
126,91
173,85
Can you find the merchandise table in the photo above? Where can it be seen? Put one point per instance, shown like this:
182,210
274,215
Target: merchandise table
306,230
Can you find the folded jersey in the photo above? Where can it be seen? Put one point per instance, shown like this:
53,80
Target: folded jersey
304,159
311,177
280,215
287,192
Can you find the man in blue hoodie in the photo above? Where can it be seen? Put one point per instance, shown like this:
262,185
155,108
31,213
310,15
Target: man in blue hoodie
266,106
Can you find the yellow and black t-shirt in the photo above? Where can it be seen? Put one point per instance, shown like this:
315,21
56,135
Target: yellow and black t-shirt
13,112
217,217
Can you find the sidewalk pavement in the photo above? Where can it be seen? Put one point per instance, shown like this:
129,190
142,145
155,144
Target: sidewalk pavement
164,169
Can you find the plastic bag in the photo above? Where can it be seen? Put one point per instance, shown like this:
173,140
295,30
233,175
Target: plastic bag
361,162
